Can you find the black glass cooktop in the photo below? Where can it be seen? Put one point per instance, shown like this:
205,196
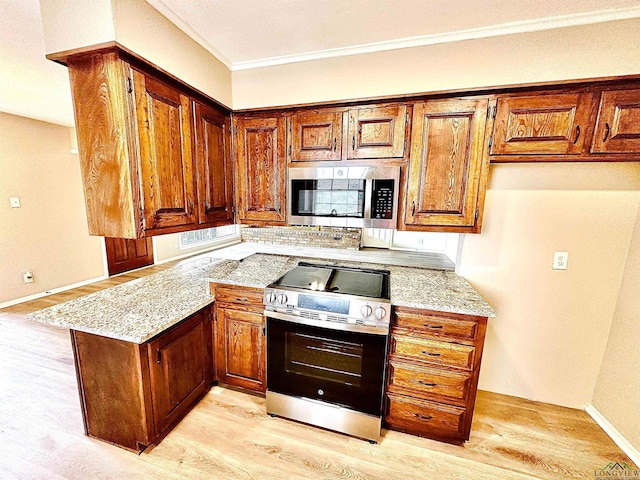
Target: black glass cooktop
340,280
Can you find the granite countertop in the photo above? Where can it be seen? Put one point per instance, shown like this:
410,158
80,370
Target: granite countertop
137,311
425,288
140,309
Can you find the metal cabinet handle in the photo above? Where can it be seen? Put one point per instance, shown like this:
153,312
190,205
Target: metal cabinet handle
422,417
413,208
433,327
190,207
607,130
431,354
426,384
335,143
158,356
242,299
353,142
575,140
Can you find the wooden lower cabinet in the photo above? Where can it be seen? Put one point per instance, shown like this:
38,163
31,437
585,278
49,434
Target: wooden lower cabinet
432,380
131,394
240,346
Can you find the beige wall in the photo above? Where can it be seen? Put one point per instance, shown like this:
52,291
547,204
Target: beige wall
567,53
49,234
617,394
69,24
548,340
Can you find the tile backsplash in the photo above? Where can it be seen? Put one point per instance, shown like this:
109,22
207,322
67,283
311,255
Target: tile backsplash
324,237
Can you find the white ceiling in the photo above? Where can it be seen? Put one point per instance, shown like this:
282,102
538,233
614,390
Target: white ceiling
253,33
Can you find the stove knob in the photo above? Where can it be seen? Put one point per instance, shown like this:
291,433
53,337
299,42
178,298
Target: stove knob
271,297
380,313
366,311
282,299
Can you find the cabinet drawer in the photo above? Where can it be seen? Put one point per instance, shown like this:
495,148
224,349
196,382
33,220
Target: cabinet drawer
404,376
434,351
243,295
424,418
438,326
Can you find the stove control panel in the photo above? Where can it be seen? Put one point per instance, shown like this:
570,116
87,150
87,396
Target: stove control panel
329,306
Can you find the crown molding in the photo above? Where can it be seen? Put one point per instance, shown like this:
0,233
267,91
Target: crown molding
179,22
511,28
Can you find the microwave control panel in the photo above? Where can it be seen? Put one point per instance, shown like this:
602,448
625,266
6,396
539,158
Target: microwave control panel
382,199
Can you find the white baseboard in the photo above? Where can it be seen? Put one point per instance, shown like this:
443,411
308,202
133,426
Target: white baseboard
613,433
51,292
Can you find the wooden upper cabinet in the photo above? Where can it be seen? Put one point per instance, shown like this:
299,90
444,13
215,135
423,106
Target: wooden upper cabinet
618,125
542,124
261,162
315,136
164,122
377,132
101,91
139,152
213,162
448,165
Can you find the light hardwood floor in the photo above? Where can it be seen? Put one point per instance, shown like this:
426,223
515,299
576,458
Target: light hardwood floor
229,436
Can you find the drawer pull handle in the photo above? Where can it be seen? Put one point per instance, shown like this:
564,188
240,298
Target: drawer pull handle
433,327
575,140
242,299
431,354
422,417
426,384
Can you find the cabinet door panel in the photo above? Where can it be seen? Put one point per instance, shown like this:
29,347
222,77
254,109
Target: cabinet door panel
126,254
214,175
447,163
262,170
377,132
181,367
166,159
240,348
618,126
316,136
542,124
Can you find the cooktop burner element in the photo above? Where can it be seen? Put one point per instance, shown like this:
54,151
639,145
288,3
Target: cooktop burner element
312,278
330,296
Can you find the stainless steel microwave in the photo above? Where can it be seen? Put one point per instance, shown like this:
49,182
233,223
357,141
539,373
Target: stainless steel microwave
354,196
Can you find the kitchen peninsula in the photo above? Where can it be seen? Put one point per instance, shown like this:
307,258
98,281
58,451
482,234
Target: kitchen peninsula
144,349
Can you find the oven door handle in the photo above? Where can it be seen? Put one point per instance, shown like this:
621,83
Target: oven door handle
346,327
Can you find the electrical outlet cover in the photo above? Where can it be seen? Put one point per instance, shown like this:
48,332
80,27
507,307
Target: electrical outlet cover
560,260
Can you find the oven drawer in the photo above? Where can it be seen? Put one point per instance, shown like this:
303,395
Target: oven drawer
437,326
434,351
404,376
236,294
424,418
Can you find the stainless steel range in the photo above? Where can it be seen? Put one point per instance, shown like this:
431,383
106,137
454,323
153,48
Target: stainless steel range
327,336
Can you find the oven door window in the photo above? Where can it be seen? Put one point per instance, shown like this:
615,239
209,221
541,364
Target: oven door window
328,198
343,368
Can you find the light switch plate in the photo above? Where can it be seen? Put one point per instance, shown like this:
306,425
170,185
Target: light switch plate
560,260
15,202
